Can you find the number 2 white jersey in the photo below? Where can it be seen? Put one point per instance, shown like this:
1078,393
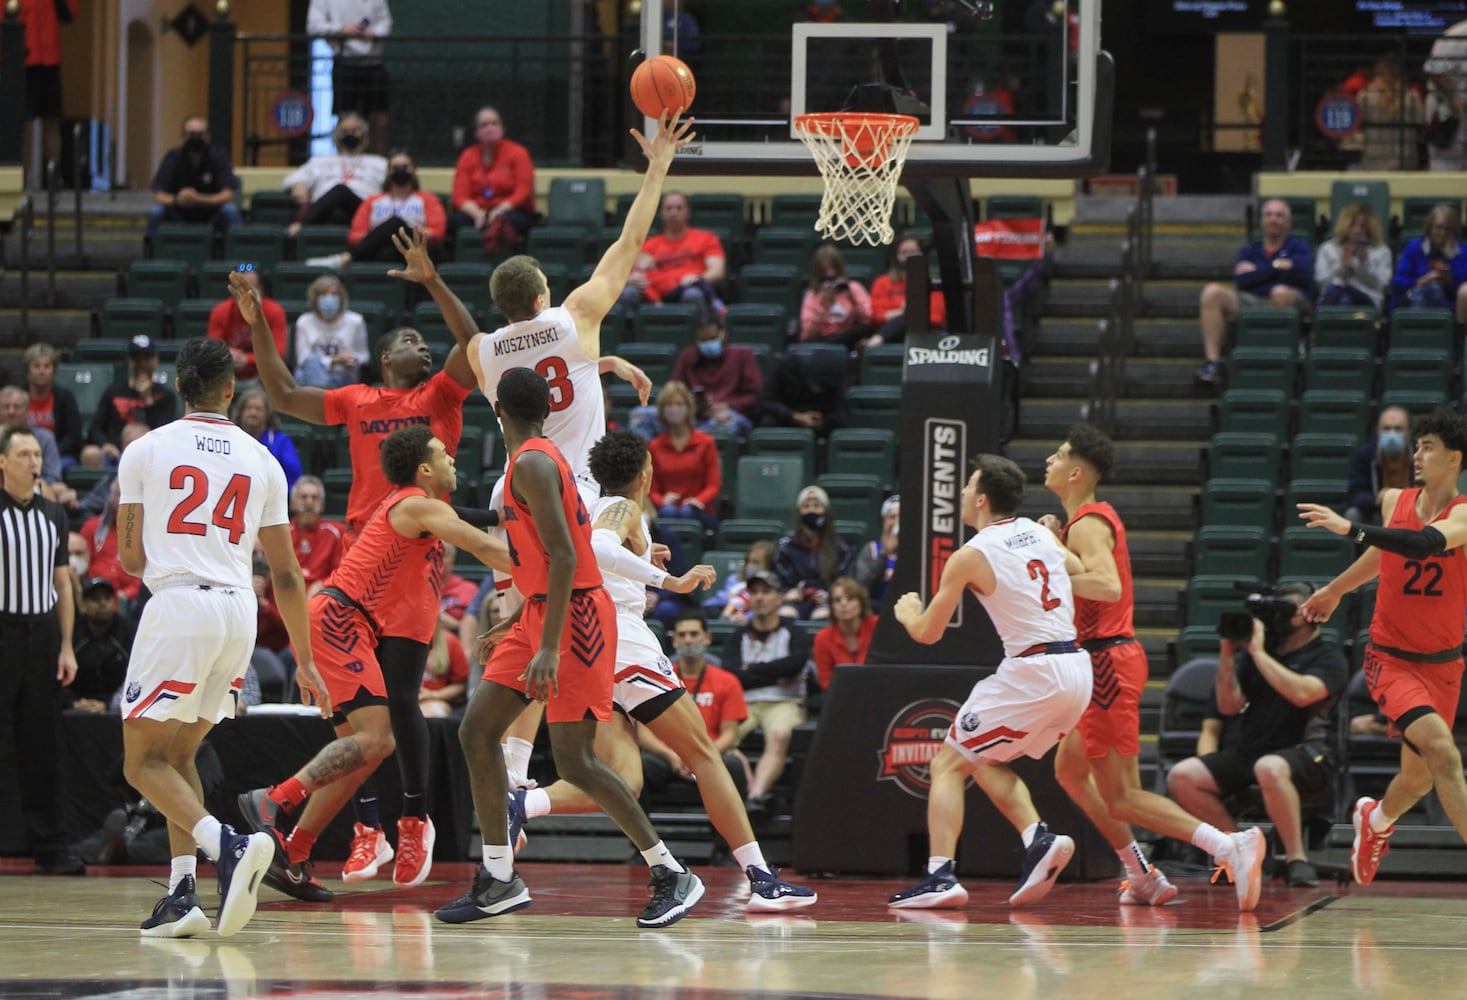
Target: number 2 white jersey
1032,602
207,488
548,344
629,596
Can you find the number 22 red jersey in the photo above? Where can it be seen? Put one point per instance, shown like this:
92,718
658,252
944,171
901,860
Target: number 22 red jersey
1106,619
1420,603
526,550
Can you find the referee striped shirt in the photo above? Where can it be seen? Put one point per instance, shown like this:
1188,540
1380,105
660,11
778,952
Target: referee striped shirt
32,546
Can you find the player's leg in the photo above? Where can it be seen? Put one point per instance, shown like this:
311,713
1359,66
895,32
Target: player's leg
616,747
403,661
1195,788
180,913
948,775
1199,784
519,744
1072,770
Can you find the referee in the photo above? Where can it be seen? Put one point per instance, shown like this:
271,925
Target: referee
36,657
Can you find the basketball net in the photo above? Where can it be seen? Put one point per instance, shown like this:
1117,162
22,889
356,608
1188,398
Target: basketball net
860,156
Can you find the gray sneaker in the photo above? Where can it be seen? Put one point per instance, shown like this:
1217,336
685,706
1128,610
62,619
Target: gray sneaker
489,897
673,895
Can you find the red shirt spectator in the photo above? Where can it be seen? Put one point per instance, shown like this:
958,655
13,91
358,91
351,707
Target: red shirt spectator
507,176
102,543
675,259
458,666
831,648
691,472
318,548
889,295
43,30
454,599
719,697
226,323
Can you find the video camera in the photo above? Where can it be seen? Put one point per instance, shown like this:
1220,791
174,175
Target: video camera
1263,604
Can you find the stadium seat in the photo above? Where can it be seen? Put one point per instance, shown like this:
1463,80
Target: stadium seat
87,381
1231,550
290,280
795,210
1244,455
1238,502
670,323
725,562
689,532
876,406
883,365
757,323
1314,553
741,532
1262,368
1268,327
718,210
322,241
797,441
768,486
1417,370
262,245
773,284
1323,411
1209,596
273,208
165,280
1255,411
853,496
368,280
192,243
1376,194
1320,456
1415,209
212,279
191,318
784,245
1344,326
555,244
469,280
577,202
653,357
1351,369
870,450
1417,402
1426,329
123,319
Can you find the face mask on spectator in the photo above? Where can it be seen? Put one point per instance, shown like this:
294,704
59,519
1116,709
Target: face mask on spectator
812,520
350,141
692,650
1392,443
402,175
195,143
80,564
328,305
710,348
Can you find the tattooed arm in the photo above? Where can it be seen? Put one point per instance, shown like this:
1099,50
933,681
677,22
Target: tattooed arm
130,538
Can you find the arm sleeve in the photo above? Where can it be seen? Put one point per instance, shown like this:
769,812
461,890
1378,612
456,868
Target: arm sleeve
1401,541
614,557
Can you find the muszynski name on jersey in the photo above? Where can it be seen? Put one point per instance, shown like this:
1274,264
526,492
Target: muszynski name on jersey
524,341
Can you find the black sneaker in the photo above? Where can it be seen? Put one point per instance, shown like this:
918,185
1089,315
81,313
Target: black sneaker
768,892
1301,875
936,890
261,812
489,897
673,895
1208,374
297,881
1044,859
243,860
178,914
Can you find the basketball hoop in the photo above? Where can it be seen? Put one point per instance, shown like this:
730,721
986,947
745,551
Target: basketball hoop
860,156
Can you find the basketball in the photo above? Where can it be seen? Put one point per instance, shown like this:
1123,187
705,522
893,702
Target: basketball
663,83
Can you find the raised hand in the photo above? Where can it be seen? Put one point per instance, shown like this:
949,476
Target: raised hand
671,136
248,297
417,265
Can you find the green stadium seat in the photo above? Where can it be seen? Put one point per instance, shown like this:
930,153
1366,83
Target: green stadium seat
1239,455
1314,553
757,323
290,280
1330,491
323,241
1415,209
1231,550
262,245
190,242
1345,326
665,323
212,279
83,477
565,245
374,315
853,496
876,406
869,450
1193,642
1265,326
337,483
1209,596
728,459
741,532
469,280
103,350
88,381
1417,402
773,284
795,210
428,321
1259,411
1320,456
1417,370
689,532
883,365
726,562
1245,503
191,318
797,441
718,210
165,280
1351,369
1376,194
369,280
1267,368
653,357
1426,329
577,202
789,245
767,487
1323,411
124,319
274,208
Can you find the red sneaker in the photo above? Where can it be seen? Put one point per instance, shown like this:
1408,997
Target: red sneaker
369,850
414,851
1369,847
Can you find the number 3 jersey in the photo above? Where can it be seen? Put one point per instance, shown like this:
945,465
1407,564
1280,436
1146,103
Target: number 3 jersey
206,489
1419,602
1032,602
548,344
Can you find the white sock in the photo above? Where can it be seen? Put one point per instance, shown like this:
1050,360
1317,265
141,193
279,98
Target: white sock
517,754
1029,832
658,854
498,861
935,862
183,866
749,856
1133,860
207,833
1212,840
537,803
1379,821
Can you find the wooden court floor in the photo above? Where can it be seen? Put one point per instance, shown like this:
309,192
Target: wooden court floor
77,937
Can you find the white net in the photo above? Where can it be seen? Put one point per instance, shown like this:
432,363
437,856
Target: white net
860,156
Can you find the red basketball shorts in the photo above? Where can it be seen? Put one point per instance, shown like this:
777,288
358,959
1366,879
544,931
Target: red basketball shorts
587,657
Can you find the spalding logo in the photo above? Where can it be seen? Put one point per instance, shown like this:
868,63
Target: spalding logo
949,343
913,737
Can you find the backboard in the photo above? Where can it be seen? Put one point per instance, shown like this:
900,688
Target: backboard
1027,97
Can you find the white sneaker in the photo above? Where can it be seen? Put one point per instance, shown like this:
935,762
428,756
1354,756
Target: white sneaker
1244,865
335,261
1151,889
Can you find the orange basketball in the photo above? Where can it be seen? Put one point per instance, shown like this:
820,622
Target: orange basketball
663,83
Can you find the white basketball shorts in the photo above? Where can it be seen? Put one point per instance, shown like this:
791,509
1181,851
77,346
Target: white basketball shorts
1023,709
190,656
643,671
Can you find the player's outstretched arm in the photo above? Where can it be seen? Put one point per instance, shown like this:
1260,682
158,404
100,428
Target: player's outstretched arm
303,401
627,372
418,266
419,514
967,568
290,597
589,303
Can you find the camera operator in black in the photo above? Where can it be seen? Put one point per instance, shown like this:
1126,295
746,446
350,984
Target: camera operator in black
1278,681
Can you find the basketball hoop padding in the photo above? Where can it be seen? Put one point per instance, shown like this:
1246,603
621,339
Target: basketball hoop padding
860,157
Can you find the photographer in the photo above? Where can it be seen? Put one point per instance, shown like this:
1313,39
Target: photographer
1280,681
1380,464
1354,268
835,309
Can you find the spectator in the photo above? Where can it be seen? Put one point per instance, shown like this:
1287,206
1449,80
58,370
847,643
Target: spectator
13,403
847,638
685,473
319,543
103,643
1432,270
78,557
806,390
97,498
139,400
1288,679
835,309
720,700
889,296
43,20
256,417
769,655
822,12
679,264
725,376
494,186
330,189
359,82
1276,270
445,688
330,339
402,205
228,324
664,605
1380,464
1392,115
195,183
1354,268
732,602
876,561
52,407
100,533
1446,140
455,595
810,558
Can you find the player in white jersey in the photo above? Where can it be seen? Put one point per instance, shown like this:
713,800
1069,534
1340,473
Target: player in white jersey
195,497
1020,574
648,689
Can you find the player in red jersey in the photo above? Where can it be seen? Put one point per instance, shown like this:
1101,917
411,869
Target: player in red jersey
397,562
1413,664
1097,763
569,616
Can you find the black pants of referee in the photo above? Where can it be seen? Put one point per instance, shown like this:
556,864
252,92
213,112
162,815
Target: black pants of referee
30,725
